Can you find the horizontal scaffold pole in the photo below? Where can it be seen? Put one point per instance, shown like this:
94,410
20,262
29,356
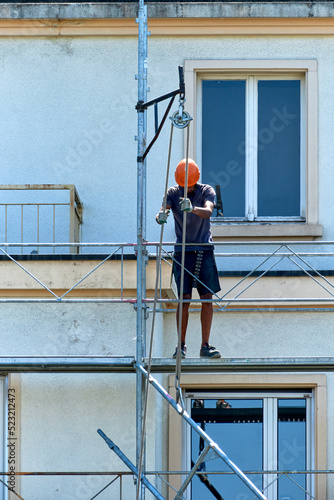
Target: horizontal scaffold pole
64,364
126,364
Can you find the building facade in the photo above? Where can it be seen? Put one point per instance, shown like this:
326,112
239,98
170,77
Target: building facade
258,81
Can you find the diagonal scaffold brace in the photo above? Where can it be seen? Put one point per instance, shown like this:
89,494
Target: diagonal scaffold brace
206,438
130,465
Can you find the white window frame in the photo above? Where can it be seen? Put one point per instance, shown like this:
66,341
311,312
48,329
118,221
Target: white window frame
306,70
270,401
275,382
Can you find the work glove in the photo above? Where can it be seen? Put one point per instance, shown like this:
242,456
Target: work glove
162,217
185,205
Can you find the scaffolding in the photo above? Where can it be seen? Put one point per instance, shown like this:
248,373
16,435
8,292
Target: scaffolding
307,253
247,271
115,485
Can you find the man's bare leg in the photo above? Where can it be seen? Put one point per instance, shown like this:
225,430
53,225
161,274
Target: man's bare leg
185,317
206,317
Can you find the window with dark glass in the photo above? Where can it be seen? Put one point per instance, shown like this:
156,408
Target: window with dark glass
291,447
232,426
251,146
266,435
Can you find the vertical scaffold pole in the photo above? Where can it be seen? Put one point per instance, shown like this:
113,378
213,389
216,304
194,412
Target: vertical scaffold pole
141,227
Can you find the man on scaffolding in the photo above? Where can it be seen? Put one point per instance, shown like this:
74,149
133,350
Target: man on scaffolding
200,269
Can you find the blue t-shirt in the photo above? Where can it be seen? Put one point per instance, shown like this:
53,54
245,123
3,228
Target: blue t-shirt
198,229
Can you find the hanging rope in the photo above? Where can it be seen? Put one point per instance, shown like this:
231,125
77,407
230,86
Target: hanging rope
179,119
183,248
153,318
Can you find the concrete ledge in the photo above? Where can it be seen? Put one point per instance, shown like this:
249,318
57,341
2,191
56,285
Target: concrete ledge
270,231
103,10
58,275
122,23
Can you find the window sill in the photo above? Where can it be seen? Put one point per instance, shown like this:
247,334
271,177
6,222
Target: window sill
265,230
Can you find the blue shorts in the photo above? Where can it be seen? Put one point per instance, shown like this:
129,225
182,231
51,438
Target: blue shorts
202,266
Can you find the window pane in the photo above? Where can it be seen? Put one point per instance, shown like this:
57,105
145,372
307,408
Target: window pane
279,148
223,141
236,425
292,447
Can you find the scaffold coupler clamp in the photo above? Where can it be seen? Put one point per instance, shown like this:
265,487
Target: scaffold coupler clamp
181,118
179,396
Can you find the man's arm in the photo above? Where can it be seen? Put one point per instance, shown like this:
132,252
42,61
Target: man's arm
203,212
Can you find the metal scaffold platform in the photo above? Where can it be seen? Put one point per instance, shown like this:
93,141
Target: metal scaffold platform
127,364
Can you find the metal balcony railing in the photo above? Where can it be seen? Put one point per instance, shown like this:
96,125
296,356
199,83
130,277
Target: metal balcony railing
28,219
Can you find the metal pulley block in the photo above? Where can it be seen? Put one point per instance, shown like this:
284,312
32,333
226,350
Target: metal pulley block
181,119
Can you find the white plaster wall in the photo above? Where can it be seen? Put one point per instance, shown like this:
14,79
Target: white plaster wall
67,329
56,97
60,413
258,334
267,335
167,53
60,416
68,117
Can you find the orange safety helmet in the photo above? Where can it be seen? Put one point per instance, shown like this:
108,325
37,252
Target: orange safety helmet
193,173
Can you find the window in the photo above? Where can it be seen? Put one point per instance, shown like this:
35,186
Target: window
257,431
255,136
271,422
254,156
